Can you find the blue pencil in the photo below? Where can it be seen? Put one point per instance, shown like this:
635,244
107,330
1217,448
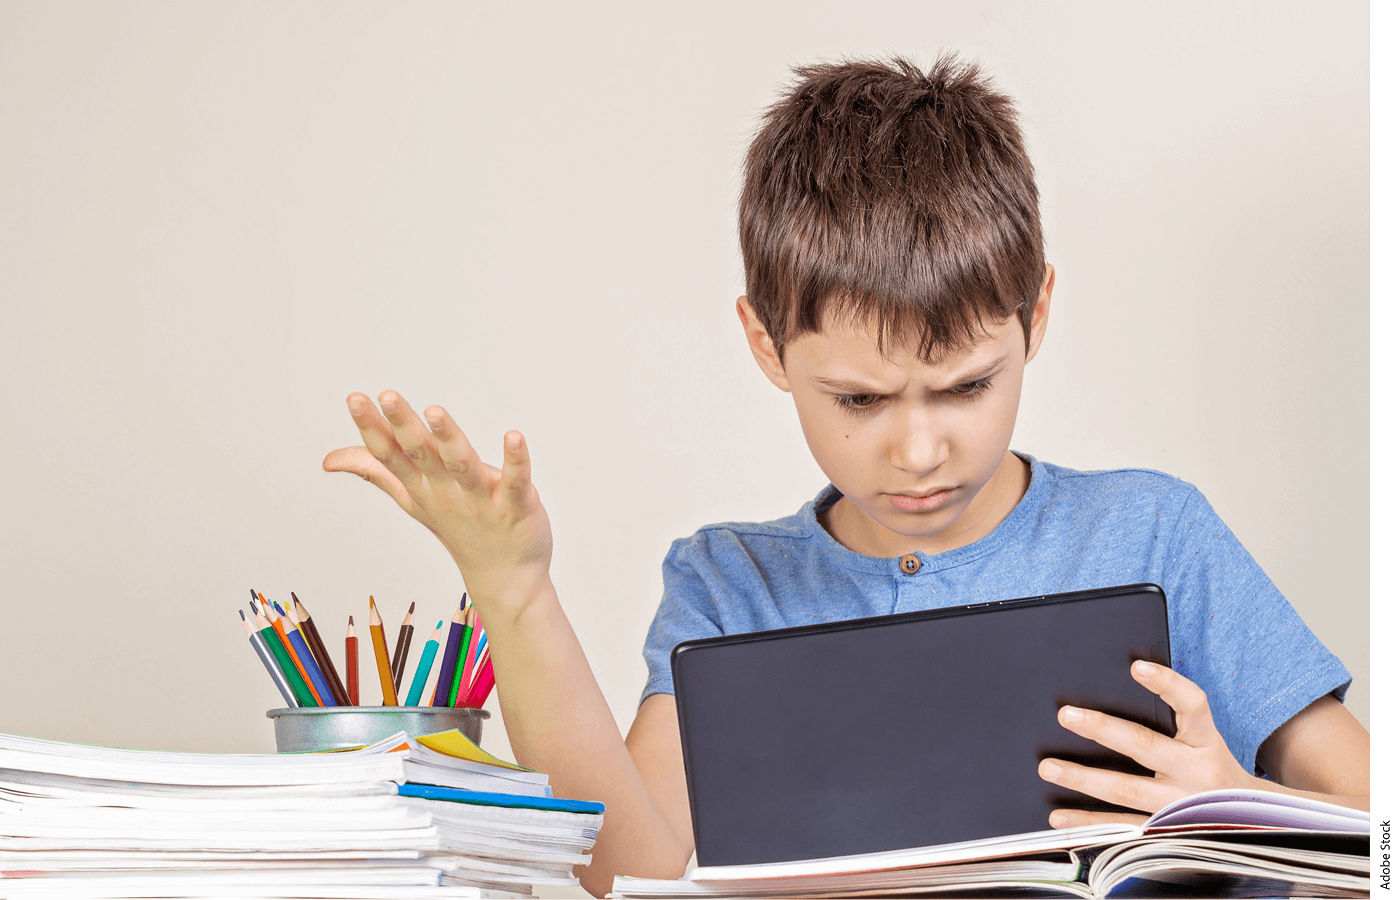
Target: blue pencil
308,660
425,663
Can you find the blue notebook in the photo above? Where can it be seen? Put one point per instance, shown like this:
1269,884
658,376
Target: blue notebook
512,801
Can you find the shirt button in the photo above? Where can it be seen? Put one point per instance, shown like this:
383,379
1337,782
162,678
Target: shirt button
910,564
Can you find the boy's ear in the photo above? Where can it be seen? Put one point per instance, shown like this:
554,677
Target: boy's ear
764,353
1041,313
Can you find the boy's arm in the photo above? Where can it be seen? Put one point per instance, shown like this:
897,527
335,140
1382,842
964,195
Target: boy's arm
1322,752
492,523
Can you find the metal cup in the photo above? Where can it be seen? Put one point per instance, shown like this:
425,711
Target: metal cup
343,727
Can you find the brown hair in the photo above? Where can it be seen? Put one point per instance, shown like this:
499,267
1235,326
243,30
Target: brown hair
879,194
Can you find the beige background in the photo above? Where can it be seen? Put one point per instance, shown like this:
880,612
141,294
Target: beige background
218,219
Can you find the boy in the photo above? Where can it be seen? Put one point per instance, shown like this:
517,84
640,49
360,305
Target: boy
896,287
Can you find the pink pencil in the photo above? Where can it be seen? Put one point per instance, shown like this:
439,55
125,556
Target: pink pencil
485,681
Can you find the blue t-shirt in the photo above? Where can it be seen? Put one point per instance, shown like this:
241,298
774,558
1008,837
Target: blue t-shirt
1232,632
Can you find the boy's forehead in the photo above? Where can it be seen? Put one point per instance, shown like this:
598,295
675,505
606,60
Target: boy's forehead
843,342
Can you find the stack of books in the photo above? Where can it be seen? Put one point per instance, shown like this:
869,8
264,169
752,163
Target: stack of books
433,817
1215,844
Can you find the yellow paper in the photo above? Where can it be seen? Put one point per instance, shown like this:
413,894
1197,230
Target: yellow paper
454,743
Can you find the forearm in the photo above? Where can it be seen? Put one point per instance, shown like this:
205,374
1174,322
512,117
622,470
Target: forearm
492,522
1353,801
559,722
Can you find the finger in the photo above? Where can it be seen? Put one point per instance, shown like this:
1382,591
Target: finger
1073,818
1194,725
1121,789
458,456
1138,742
380,441
412,436
359,461
515,473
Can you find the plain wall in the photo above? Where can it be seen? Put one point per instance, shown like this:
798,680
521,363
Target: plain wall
216,220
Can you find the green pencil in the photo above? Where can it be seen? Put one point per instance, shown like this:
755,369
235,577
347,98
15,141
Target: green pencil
461,659
279,652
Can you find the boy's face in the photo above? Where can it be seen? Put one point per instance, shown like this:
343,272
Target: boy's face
919,451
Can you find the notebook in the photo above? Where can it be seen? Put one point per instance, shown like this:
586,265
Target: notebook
906,730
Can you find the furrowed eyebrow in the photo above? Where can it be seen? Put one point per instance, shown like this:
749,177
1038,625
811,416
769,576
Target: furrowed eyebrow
854,387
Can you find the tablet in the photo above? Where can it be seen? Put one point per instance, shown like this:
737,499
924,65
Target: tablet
906,730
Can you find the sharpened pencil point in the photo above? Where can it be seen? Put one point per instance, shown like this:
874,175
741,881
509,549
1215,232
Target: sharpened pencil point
412,606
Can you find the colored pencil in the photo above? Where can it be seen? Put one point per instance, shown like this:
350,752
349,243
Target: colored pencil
461,675
381,656
449,654
401,648
352,663
318,650
316,676
300,688
481,688
284,687
425,665
474,651
281,629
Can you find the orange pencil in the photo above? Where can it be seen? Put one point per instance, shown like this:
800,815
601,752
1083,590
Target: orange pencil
381,656
352,663
281,630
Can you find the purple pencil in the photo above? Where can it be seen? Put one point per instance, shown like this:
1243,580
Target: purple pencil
449,652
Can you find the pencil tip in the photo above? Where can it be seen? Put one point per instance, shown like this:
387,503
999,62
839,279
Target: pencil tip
253,592
412,605
241,616
371,601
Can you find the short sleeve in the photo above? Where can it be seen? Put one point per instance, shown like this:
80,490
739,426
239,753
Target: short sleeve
1237,637
686,612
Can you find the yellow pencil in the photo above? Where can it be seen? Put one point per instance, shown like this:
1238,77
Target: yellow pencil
381,656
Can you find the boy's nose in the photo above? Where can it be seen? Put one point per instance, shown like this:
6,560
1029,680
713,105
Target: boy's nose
919,446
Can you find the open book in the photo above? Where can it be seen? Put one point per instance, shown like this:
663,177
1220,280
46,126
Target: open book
1219,843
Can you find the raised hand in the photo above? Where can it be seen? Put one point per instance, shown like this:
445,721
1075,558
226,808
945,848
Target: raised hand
490,520
1197,759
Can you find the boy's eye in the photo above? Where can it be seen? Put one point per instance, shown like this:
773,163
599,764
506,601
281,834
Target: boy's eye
973,388
857,402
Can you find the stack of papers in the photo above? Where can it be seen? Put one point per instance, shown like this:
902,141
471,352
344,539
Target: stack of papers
432,817
1218,843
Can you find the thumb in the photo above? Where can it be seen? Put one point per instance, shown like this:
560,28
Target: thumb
359,461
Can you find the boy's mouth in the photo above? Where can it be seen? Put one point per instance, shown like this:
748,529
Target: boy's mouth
920,502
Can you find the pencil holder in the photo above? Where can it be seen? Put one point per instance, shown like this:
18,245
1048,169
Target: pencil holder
343,727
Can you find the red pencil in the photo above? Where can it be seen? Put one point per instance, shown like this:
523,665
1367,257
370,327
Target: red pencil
352,663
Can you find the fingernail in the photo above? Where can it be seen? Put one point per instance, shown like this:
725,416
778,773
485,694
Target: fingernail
389,407
1071,715
1051,770
1058,819
513,444
435,424
356,407
1143,667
